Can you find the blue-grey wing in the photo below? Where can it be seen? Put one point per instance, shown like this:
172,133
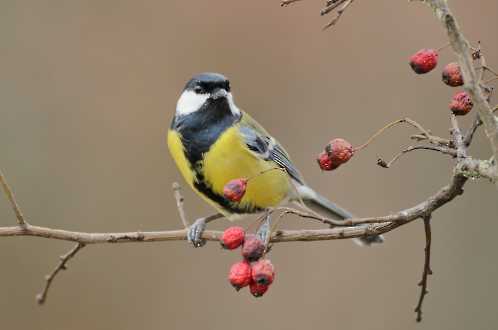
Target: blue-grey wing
266,147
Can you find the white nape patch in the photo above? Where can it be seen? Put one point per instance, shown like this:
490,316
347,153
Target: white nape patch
190,102
233,108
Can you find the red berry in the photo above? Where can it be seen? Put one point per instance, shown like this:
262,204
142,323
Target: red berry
235,189
232,237
253,248
424,60
263,272
240,275
257,290
461,104
325,162
452,75
339,151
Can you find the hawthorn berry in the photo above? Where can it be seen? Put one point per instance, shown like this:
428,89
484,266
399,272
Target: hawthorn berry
232,237
452,75
257,290
325,162
253,248
461,104
240,274
424,60
235,189
337,152
263,272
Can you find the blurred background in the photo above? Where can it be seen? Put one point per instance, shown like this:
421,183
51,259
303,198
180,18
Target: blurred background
87,92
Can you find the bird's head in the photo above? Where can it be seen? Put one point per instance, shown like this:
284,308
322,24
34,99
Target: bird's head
204,91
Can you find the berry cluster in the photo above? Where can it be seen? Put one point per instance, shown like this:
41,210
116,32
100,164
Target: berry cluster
425,60
253,271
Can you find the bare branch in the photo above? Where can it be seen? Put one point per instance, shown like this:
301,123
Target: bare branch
476,168
458,139
12,199
359,227
42,297
470,133
339,12
424,134
472,84
179,204
427,267
444,150
436,140
284,3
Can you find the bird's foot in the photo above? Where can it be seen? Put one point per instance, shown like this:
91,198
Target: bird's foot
194,234
264,230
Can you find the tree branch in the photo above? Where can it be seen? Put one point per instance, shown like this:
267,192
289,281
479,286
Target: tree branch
427,267
12,199
472,84
441,149
42,296
354,227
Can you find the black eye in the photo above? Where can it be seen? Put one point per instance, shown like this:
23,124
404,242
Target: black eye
227,86
198,89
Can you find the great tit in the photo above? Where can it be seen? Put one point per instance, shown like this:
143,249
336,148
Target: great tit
213,142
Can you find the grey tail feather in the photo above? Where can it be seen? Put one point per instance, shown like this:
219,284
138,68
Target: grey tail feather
322,205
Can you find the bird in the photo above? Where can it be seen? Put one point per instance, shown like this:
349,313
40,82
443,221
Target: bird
213,141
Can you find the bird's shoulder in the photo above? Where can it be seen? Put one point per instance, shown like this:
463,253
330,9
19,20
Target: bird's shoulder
259,141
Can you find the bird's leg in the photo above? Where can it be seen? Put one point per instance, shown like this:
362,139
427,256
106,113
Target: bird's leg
194,234
264,230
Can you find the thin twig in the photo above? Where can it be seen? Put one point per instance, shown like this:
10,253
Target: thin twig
436,140
179,203
490,80
331,5
444,150
467,140
313,216
287,2
423,132
338,15
427,267
12,199
458,138
42,297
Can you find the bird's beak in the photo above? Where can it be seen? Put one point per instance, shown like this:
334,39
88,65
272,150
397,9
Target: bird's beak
219,93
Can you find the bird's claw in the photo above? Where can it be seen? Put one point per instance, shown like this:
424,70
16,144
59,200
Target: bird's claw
194,234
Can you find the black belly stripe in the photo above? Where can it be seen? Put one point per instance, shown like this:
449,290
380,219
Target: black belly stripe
229,206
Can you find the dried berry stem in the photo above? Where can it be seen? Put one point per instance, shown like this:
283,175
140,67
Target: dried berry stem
442,47
409,121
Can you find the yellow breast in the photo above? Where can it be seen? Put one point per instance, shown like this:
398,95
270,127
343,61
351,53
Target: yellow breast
228,159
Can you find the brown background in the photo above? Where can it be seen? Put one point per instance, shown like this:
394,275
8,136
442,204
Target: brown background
87,91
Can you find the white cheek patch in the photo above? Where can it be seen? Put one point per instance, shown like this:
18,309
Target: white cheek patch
233,108
190,102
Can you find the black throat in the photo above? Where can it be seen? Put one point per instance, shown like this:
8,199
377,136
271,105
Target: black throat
199,130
